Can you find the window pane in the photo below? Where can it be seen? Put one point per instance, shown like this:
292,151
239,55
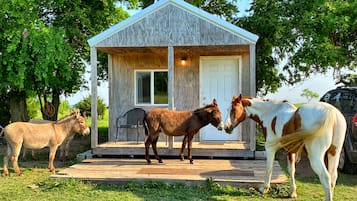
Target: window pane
160,88
143,87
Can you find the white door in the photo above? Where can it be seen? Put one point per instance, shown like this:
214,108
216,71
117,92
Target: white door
220,78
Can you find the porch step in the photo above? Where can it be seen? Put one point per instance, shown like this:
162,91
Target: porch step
199,150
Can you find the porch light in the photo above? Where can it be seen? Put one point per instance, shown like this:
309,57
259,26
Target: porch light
183,60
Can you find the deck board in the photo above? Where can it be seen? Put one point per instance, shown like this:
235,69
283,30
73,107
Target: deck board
121,170
231,149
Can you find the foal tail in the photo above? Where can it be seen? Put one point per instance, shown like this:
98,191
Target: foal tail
295,142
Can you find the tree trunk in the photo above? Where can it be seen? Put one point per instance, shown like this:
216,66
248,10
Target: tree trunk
49,110
55,103
18,107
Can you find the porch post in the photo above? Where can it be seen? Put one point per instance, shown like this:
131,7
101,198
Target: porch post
171,88
252,92
94,113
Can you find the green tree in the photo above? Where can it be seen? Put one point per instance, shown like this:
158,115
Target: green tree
304,37
309,94
85,106
42,42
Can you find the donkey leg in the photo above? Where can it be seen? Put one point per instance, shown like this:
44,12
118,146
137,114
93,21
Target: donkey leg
16,149
190,148
52,155
147,146
184,142
155,149
6,160
291,158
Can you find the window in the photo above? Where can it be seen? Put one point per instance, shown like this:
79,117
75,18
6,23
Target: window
151,87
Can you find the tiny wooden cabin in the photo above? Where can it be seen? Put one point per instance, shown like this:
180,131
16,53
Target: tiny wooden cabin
175,55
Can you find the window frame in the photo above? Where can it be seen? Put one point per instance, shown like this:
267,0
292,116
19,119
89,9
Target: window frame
152,87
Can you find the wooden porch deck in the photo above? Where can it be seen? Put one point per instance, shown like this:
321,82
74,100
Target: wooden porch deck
209,149
122,170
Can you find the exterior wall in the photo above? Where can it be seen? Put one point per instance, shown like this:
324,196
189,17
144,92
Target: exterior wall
121,82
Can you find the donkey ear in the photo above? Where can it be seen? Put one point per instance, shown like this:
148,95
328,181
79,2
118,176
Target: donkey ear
215,102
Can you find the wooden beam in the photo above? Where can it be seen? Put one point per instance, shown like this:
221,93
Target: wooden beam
252,93
94,112
171,87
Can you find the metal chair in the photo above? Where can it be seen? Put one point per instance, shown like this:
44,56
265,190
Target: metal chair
132,119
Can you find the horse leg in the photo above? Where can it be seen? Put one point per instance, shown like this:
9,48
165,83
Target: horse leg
338,138
51,157
184,142
6,160
154,142
316,156
189,147
291,158
270,152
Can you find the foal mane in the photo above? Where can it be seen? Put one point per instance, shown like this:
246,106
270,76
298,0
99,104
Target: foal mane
203,108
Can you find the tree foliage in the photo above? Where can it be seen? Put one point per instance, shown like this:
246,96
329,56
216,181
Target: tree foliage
85,106
42,42
301,38
309,94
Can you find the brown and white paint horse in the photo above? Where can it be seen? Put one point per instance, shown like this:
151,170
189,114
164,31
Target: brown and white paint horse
179,123
315,128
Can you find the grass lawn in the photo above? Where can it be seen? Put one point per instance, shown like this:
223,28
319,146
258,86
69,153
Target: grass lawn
36,185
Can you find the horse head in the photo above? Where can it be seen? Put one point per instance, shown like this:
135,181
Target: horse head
215,115
237,113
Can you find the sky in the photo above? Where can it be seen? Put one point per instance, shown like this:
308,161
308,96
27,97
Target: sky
318,83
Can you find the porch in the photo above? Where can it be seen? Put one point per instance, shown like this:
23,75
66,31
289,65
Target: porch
122,170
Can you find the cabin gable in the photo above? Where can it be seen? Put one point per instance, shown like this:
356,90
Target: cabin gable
172,25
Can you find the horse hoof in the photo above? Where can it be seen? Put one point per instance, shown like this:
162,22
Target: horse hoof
148,162
160,161
191,161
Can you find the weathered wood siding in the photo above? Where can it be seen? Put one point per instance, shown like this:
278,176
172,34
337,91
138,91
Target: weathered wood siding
171,25
186,83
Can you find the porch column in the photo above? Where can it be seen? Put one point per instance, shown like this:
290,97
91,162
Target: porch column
171,88
252,92
94,113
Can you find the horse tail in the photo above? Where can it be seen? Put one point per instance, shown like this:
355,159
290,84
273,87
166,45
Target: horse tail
295,142
145,123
